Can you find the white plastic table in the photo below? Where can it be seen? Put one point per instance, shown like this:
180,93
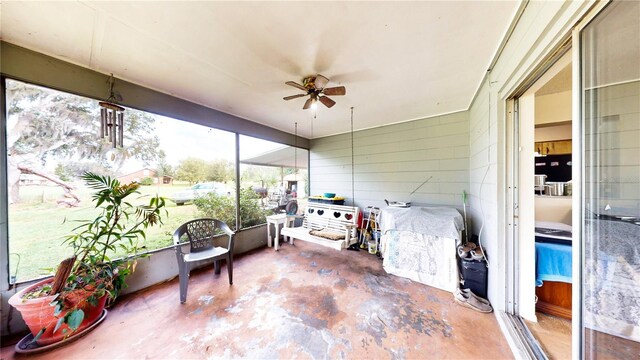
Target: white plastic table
276,220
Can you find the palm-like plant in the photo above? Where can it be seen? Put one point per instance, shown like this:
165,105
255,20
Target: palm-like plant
119,225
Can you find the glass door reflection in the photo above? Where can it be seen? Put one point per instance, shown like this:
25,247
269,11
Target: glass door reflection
611,183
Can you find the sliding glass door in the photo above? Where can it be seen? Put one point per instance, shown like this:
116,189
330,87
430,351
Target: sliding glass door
610,54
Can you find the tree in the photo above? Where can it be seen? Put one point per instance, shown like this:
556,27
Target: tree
192,170
289,171
163,168
75,169
45,124
221,171
266,176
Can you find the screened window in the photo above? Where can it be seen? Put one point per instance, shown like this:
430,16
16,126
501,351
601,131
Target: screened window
52,140
271,176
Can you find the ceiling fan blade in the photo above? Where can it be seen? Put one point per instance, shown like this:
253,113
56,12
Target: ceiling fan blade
320,82
307,104
338,90
294,96
296,85
326,101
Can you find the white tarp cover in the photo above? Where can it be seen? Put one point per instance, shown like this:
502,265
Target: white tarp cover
437,221
419,243
427,259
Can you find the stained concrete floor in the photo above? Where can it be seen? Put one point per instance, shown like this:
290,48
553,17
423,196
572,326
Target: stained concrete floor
303,302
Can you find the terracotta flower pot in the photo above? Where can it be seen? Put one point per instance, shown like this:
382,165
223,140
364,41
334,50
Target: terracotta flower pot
38,313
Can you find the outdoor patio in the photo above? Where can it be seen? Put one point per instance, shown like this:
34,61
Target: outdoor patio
304,301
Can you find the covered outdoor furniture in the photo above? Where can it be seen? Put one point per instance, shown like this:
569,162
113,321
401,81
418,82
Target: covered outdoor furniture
201,234
419,243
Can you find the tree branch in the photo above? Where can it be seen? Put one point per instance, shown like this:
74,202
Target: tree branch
68,188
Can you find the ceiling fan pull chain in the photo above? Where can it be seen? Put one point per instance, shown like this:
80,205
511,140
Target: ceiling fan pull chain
353,191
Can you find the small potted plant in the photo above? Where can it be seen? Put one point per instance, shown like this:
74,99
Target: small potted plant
74,299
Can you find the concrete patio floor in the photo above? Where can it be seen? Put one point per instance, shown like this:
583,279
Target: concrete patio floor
303,302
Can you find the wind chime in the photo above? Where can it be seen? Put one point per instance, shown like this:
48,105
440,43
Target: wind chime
112,118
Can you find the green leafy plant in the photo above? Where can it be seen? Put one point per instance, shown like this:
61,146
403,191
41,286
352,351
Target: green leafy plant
146,181
120,225
223,207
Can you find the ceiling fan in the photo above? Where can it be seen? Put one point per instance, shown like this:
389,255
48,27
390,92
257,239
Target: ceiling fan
314,86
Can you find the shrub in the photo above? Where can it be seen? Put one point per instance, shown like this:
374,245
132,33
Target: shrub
146,181
223,207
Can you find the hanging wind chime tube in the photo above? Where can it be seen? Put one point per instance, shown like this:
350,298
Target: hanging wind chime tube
112,118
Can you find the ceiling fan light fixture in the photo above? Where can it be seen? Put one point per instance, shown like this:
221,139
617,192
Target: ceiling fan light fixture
314,101
307,104
309,82
315,88
319,82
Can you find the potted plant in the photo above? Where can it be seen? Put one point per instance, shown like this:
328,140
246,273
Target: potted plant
75,298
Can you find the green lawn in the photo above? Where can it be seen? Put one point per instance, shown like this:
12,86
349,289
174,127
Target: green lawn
37,226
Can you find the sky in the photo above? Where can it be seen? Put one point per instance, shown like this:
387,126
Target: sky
181,139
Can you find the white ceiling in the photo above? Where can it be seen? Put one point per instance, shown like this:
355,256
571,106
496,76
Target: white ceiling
398,60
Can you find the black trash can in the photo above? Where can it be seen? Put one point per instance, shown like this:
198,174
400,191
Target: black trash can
474,274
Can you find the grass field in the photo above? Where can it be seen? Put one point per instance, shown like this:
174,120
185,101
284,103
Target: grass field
37,226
